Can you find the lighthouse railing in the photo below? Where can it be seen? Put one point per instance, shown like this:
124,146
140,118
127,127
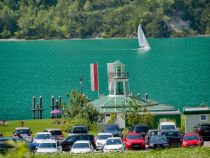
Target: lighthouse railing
118,75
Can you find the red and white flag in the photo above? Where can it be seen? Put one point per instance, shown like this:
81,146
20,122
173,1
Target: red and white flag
94,77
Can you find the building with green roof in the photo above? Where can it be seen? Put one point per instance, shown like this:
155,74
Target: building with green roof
119,97
194,116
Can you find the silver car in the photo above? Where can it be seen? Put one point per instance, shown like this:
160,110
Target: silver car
101,140
23,132
82,146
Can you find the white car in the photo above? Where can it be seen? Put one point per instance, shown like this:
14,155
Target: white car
113,144
47,146
42,136
167,125
82,146
101,139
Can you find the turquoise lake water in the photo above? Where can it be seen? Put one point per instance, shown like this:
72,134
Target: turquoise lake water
174,71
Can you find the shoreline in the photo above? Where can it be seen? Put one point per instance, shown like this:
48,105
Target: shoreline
95,38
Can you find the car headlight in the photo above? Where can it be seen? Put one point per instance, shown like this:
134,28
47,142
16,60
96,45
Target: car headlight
151,145
184,143
128,143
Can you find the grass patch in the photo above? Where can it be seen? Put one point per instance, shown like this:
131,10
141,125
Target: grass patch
34,125
166,153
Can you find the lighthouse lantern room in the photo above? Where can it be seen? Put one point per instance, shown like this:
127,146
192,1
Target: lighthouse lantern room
117,79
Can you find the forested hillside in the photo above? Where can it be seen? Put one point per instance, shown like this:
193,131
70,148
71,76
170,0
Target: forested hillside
49,19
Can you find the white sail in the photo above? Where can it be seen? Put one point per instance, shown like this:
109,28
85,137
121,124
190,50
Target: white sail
143,44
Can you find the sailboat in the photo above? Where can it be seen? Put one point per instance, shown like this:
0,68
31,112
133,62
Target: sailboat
143,44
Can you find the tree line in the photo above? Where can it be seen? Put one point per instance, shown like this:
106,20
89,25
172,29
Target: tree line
64,19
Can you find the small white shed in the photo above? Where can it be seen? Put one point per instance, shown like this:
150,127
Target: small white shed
194,116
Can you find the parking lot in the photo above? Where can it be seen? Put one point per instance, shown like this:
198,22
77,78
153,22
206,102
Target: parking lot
206,144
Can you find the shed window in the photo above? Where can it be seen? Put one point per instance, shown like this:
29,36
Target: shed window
203,117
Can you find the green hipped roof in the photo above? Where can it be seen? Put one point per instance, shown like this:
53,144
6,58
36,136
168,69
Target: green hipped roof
110,104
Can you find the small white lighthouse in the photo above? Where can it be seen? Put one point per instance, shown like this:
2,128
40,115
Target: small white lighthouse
117,79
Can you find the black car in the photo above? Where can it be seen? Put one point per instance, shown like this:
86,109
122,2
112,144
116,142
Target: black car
114,129
79,129
203,130
140,128
67,143
173,137
149,134
158,141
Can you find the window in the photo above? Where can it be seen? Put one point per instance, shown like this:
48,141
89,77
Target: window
203,117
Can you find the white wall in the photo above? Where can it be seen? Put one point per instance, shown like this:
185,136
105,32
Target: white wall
120,120
192,120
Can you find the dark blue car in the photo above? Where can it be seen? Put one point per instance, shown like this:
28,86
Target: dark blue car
114,130
4,146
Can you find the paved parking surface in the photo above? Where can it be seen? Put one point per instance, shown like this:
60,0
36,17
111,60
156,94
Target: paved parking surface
206,144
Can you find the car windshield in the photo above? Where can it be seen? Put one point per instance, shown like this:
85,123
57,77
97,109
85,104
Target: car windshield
172,133
104,137
55,133
205,127
113,142
141,129
43,136
22,131
81,145
112,128
153,133
80,130
167,127
191,137
85,137
47,145
134,136
158,138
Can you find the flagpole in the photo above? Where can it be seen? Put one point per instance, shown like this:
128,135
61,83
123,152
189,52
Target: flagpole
98,81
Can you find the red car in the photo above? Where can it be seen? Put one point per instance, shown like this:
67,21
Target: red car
134,140
191,139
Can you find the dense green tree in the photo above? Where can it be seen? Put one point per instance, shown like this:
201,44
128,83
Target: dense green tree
78,106
32,19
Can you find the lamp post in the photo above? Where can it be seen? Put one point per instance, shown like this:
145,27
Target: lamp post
80,82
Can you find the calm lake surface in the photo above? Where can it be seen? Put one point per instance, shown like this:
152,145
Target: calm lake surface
174,71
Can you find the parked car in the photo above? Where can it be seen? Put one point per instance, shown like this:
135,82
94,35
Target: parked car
82,146
167,125
56,133
149,134
173,137
41,136
47,146
113,144
4,146
191,139
203,130
67,143
23,132
139,128
158,141
114,129
134,140
79,129
101,140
